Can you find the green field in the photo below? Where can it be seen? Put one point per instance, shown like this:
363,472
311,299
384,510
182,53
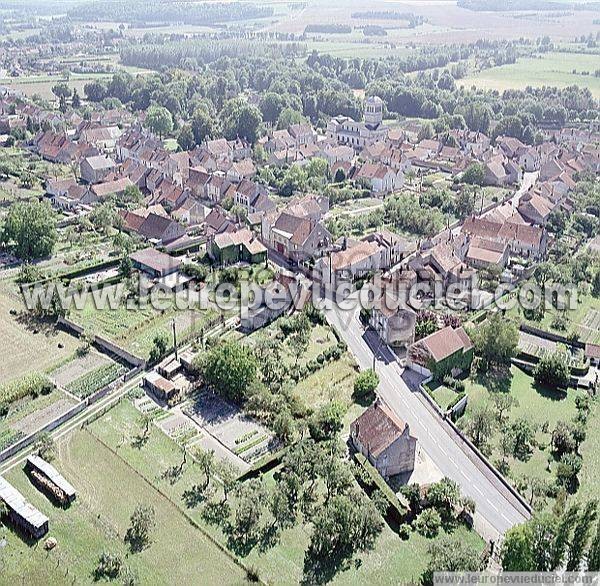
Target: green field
539,406
33,347
393,561
549,69
108,492
135,330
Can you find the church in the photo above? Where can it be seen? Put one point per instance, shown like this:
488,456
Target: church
360,134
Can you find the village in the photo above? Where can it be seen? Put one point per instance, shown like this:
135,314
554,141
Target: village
404,384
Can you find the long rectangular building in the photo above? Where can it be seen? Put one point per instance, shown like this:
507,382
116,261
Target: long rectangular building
21,512
52,479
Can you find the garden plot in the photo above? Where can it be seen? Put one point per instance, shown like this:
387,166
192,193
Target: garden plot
68,373
534,345
588,330
226,423
33,421
179,428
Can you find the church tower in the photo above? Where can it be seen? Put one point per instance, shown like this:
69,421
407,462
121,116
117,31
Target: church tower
373,111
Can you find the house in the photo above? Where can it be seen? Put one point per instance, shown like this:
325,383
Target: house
23,514
375,252
190,212
592,353
105,189
239,246
379,178
154,263
527,241
96,169
483,253
535,208
296,238
385,440
239,170
448,351
152,226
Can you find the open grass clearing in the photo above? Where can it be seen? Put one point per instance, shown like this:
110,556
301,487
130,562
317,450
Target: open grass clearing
392,561
108,492
31,347
541,407
548,69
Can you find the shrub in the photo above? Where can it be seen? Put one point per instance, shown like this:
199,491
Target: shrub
366,383
428,523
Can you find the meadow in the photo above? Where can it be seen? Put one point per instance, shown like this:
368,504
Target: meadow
549,69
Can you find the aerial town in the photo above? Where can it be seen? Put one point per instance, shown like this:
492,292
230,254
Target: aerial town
298,291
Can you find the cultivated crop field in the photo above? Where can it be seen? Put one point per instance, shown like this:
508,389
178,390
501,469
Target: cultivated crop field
550,69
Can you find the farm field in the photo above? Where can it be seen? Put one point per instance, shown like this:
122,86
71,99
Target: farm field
97,521
42,84
550,69
34,348
391,561
541,407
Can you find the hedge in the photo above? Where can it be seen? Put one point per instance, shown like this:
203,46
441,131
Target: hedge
378,482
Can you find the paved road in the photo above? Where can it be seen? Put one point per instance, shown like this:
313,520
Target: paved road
499,509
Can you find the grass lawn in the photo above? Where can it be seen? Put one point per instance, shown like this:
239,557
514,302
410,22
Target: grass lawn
536,405
584,319
590,451
108,492
334,381
392,561
33,348
442,395
551,69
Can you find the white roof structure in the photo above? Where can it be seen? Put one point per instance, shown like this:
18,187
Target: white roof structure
16,502
52,474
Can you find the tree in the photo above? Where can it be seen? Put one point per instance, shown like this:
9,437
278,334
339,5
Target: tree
109,566
229,368
95,91
445,497
76,100
204,124
593,558
503,403
206,461
61,90
326,423
474,174
45,447
563,537
248,508
240,120
271,106
143,521
496,341
553,370
480,426
159,347
523,434
581,536
517,549
563,440
288,117
186,140
159,120
31,228
451,553
567,470
465,202
428,523
365,383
